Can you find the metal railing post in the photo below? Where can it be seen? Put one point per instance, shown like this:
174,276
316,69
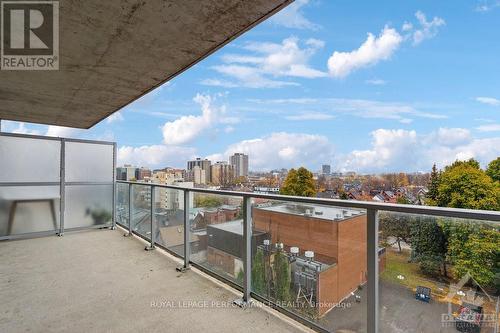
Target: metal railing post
372,267
113,226
151,246
247,253
130,200
62,187
187,232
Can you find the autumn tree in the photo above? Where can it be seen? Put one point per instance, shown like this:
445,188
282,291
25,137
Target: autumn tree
299,183
479,256
493,170
464,185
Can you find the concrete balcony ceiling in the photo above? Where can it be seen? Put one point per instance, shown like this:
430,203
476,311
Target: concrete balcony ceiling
113,52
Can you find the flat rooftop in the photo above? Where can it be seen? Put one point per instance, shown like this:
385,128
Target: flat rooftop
100,281
313,211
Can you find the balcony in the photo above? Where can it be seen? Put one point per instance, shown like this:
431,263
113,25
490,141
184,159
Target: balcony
317,262
216,261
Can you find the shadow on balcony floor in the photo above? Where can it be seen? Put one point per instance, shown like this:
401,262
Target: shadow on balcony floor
99,281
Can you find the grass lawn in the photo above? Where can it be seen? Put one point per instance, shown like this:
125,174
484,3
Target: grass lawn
397,264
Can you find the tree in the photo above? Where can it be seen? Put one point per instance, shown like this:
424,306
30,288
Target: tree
465,185
493,170
403,200
433,186
402,180
429,244
396,225
207,201
258,273
480,257
282,277
299,182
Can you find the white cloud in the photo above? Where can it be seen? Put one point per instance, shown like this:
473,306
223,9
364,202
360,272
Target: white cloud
117,116
376,82
487,5
155,156
229,129
379,48
310,116
269,61
427,29
407,26
402,150
187,128
22,129
488,100
218,83
293,17
282,150
373,50
343,106
452,137
64,132
489,128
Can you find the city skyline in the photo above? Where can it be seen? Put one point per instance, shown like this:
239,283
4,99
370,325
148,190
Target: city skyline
394,91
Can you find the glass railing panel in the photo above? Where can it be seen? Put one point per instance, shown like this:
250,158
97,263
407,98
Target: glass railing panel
122,204
141,210
88,205
217,234
26,209
169,219
438,274
311,260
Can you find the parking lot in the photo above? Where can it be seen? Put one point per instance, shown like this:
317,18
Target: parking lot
400,312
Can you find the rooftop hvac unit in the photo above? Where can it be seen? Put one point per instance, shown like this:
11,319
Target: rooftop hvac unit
294,251
309,255
305,277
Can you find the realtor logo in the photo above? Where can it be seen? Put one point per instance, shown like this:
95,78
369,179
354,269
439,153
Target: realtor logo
29,35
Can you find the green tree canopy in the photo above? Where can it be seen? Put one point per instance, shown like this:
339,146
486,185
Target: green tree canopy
433,192
396,225
480,257
282,277
259,274
299,182
465,185
493,169
429,244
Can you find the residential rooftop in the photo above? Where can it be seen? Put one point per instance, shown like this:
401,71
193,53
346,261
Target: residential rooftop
334,214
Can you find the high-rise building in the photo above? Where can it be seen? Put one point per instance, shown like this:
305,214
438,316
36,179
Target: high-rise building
127,172
222,173
203,164
239,162
143,174
326,169
196,175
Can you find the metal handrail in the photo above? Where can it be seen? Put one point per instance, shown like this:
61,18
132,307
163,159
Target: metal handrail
475,214
372,245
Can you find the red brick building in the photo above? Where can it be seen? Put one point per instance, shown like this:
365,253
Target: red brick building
336,235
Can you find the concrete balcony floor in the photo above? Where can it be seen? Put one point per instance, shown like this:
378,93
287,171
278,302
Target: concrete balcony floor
99,281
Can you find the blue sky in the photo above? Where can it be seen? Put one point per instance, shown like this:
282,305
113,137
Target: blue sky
365,86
